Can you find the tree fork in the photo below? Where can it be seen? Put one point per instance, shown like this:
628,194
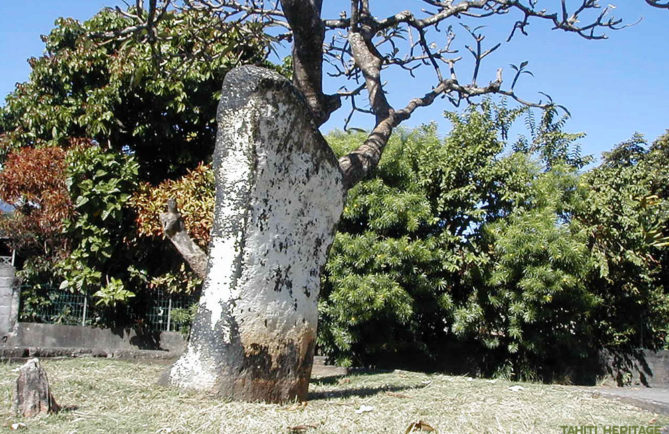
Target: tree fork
175,230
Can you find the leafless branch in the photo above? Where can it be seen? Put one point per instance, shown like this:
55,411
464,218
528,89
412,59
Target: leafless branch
658,4
360,47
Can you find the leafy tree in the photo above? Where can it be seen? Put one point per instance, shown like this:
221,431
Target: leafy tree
115,94
362,47
410,236
627,216
142,121
456,246
33,182
100,185
529,304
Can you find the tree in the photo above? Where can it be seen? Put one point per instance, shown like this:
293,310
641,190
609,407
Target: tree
139,121
455,246
627,215
100,185
361,47
33,181
358,46
408,236
116,95
514,261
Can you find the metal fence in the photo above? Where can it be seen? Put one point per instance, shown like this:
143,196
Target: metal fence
62,307
160,315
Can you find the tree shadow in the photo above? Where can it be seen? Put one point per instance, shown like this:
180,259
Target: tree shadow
67,408
326,381
360,392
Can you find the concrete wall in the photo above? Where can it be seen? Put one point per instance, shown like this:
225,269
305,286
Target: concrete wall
656,371
658,367
8,299
652,371
31,335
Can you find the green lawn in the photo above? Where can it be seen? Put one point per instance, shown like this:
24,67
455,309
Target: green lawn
103,395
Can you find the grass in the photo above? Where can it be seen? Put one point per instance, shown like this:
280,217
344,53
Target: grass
112,396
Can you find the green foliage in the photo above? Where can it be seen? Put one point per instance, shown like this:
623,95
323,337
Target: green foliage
549,142
627,216
182,319
531,300
514,260
150,111
100,184
408,238
158,102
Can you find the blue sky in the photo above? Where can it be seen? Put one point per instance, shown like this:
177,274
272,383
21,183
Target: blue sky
612,88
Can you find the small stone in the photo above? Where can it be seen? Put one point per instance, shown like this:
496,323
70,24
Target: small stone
33,396
364,409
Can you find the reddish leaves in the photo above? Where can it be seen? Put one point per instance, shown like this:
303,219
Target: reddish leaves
194,194
34,182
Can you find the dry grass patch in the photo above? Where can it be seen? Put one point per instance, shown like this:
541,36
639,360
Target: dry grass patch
113,396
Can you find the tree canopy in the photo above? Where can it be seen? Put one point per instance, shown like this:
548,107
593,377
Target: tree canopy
97,119
500,251
513,260
451,244
366,39
114,92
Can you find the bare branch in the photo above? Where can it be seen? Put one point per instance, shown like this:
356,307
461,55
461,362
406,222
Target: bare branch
361,46
304,18
658,4
175,230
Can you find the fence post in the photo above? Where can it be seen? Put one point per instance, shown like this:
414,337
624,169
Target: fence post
15,306
83,316
169,313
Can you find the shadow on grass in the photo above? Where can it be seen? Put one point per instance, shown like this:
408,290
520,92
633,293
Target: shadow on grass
334,379
360,392
326,381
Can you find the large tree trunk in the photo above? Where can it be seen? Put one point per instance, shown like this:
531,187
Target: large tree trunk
279,195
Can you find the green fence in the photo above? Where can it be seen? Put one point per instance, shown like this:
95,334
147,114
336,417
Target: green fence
63,307
60,307
160,315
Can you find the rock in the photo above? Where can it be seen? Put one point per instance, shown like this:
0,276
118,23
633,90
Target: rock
33,396
279,195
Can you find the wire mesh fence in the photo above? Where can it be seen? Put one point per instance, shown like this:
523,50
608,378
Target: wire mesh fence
160,311
166,311
58,307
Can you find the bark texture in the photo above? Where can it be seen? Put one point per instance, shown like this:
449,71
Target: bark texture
304,18
174,228
279,195
33,396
